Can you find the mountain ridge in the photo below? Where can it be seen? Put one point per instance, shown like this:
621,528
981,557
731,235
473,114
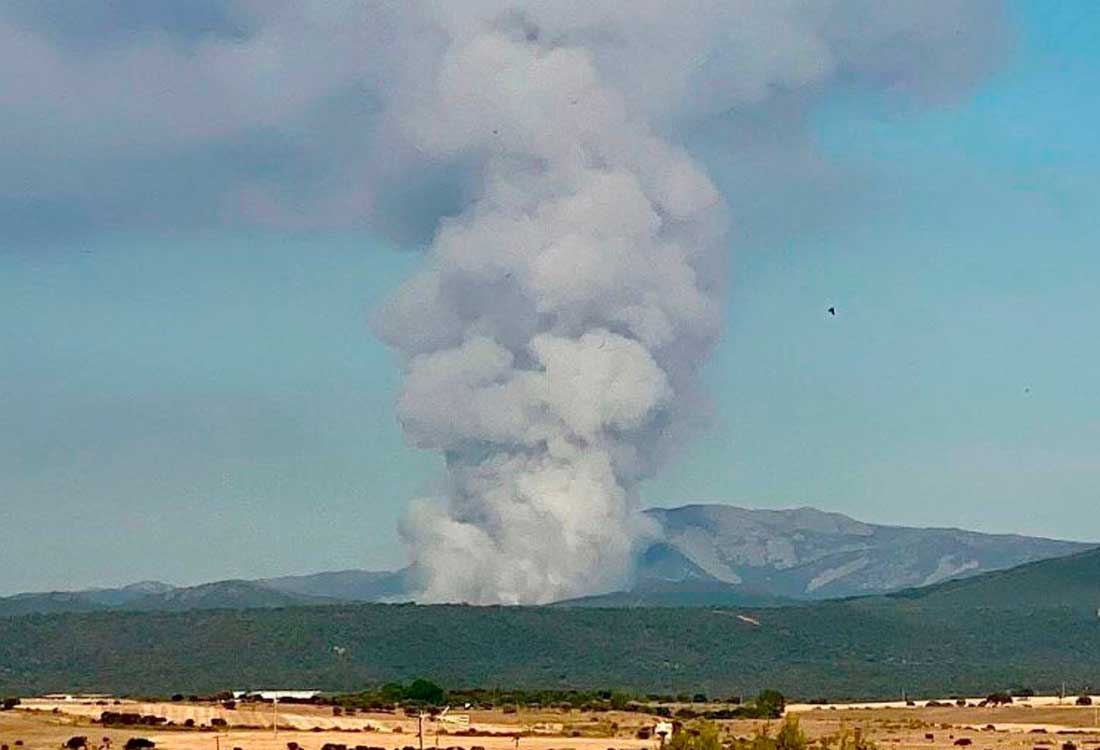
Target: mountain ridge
706,555
1034,626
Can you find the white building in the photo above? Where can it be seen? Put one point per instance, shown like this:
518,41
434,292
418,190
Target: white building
279,695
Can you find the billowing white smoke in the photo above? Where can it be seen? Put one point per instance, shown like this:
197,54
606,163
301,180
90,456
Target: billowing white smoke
551,323
552,336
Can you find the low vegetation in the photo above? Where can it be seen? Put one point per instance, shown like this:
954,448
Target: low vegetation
850,649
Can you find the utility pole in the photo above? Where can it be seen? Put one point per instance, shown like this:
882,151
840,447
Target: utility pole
420,728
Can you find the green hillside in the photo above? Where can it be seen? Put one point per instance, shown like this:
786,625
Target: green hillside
1033,626
1072,582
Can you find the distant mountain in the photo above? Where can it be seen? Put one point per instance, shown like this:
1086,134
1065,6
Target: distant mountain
806,553
152,596
706,555
668,578
79,601
222,595
347,585
1033,626
1071,583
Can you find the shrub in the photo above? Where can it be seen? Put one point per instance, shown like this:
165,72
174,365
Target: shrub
790,735
218,722
1084,700
770,704
8,704
293,746
77,743
702,735
963,742
139,743
853,740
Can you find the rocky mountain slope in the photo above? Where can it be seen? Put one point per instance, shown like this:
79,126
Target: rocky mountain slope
706,555
805,553
1034,626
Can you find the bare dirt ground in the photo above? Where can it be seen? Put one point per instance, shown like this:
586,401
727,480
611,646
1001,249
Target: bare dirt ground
1039,724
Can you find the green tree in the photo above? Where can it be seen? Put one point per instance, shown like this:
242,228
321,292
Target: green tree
392,692
424,691
770,704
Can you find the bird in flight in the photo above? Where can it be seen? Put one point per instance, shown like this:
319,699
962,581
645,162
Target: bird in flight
832,311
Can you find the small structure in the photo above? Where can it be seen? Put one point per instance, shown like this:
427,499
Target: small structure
278,695
663,730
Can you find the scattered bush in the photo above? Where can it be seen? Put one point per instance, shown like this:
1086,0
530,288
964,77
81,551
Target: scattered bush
76,743
139,743
963,742
790,735
1084,700
7,704
114,718
702,735
770,704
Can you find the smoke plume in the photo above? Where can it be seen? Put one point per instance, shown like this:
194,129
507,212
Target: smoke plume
553,335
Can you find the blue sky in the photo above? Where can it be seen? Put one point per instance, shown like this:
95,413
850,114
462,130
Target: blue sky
193,404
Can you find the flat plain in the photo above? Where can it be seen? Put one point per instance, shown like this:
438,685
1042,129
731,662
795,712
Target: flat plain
1035,724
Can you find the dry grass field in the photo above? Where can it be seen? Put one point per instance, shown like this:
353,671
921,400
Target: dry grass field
46,725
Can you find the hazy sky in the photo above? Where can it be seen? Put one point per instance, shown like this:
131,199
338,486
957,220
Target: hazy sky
189,389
